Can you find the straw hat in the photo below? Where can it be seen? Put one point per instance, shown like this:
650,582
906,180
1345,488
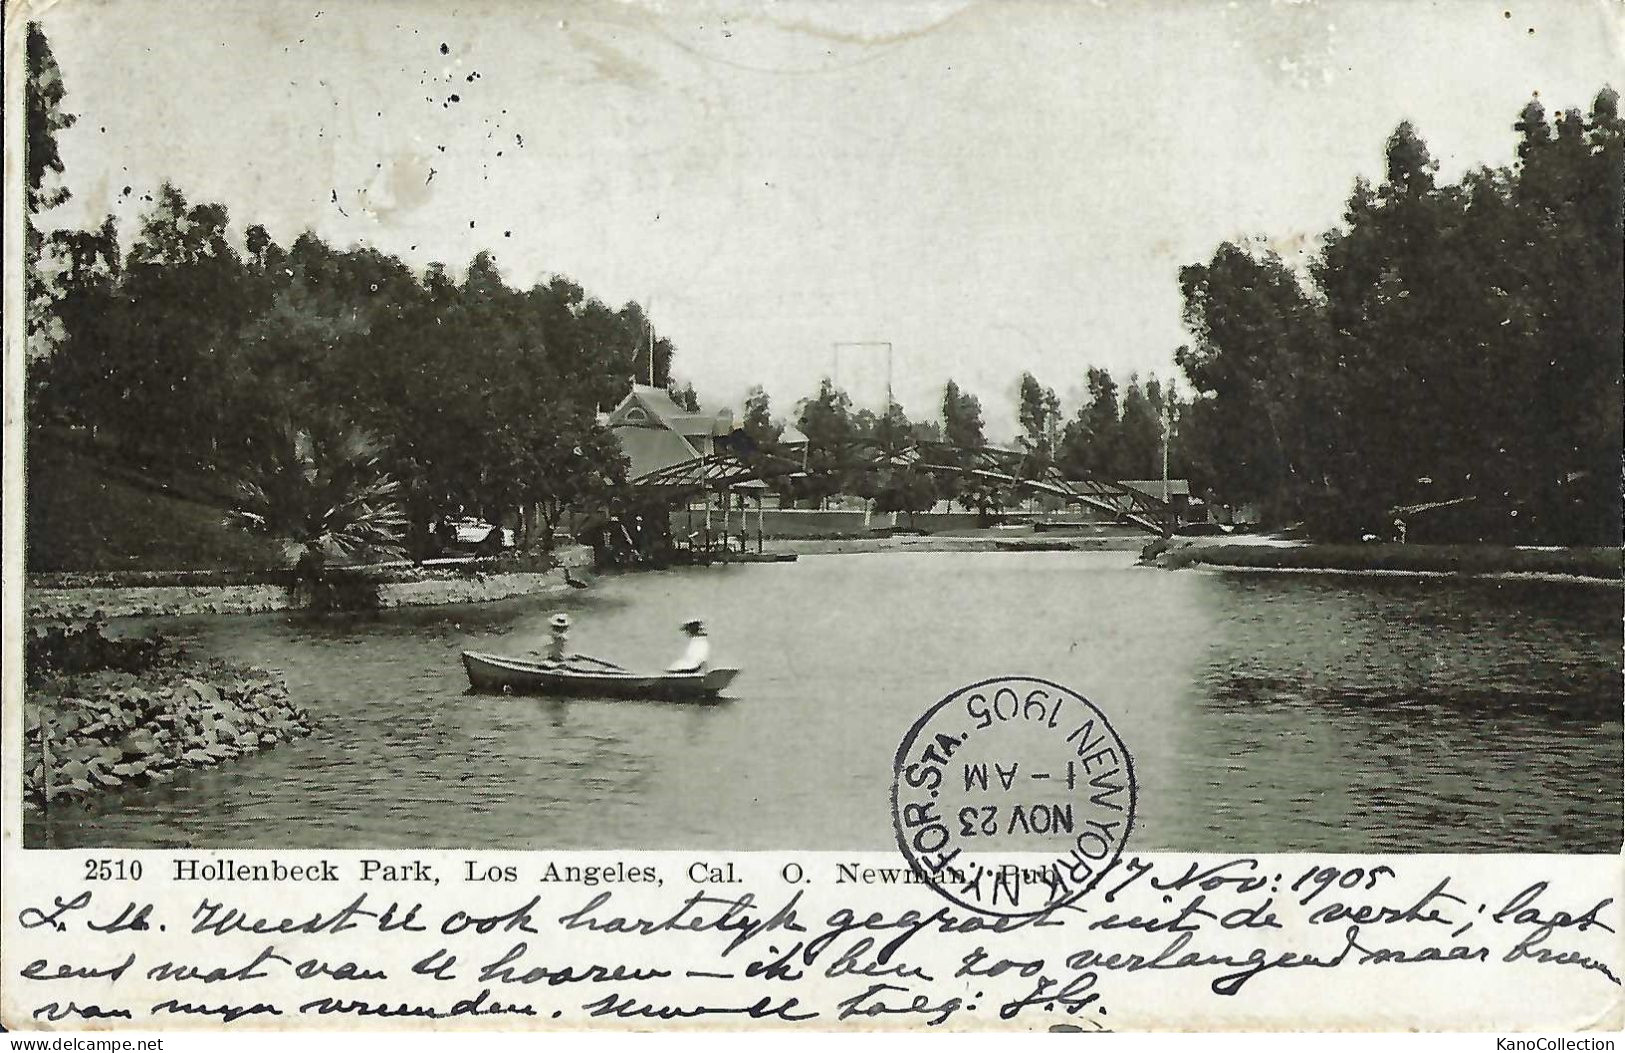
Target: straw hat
559,622
694,627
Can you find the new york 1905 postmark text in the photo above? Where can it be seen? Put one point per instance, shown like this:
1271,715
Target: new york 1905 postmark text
1012,796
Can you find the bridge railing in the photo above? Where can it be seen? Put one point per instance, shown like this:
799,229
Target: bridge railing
1018,471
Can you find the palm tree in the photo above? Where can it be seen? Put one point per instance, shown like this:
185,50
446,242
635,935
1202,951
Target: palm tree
321,491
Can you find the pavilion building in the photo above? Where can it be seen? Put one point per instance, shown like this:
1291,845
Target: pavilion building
655,432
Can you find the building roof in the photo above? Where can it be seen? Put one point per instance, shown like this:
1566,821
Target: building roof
702,423
648,407
1153,487
656,400
651,449
656,433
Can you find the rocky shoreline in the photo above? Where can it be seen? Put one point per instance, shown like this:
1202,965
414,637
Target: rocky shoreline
92,732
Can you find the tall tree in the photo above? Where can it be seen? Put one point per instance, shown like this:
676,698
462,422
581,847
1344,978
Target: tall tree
686,397
827,421
44,120
963,428
1039,413
893,431
78,383
184,282
1090,440
1457,340
894,484
1139,440
1253,325
1601,229
962,418
758,422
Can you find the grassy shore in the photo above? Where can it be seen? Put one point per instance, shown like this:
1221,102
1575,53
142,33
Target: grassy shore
85,515
1601,563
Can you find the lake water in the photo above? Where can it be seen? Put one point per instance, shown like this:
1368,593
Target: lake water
1265,712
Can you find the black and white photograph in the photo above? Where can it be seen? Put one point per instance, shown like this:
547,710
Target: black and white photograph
602,426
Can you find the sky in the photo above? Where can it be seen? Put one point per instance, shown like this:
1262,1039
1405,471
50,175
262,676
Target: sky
986,187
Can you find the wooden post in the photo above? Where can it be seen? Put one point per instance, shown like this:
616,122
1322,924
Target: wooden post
759,503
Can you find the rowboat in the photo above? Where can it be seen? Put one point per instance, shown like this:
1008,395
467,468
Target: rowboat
490,672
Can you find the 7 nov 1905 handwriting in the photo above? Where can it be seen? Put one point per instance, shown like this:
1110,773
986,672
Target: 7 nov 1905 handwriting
813,939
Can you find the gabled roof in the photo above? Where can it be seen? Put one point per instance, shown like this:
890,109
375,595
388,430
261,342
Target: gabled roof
647,407
651,449
659,410
654,402
659,400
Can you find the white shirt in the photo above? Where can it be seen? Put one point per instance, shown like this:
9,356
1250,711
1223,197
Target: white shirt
693,660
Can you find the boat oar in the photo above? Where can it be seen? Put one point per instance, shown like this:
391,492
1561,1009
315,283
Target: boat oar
598,661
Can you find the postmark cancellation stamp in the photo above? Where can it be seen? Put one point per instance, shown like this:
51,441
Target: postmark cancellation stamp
1012,796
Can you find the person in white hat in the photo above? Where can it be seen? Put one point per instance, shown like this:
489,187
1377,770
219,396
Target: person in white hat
698,651
557,647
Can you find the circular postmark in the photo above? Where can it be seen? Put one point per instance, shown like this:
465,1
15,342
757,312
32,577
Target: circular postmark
1012,796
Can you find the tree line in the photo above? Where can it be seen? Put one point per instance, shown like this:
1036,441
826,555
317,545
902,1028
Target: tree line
1448,342
195,348
1448,346
194,351
1445,342
1114,433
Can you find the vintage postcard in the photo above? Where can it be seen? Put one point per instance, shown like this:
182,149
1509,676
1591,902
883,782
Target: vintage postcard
909,516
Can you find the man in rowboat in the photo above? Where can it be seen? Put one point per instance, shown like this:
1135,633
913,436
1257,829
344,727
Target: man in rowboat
695,657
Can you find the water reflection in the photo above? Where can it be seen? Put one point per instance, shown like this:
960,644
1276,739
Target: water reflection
1268,712
1400,714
